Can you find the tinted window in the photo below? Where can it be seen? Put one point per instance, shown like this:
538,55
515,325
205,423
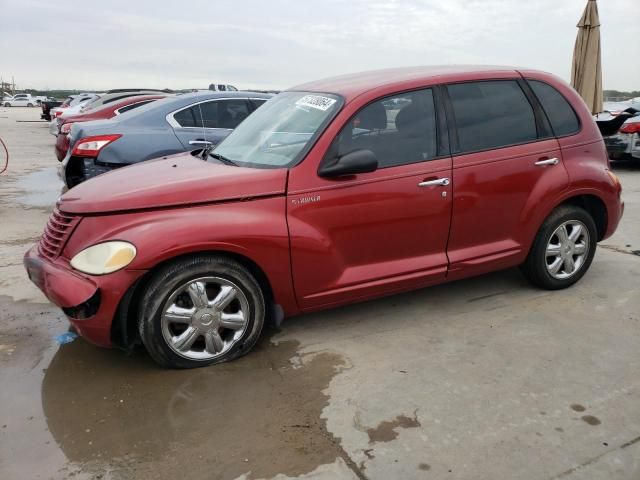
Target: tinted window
398,130
215,114
132,106
257,102
562,117
185,118
491,115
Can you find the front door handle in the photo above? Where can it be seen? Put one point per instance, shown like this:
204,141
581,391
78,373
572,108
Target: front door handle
443,182
547,161
200,142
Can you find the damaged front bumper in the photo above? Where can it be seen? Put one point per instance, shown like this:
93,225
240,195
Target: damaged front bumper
89,302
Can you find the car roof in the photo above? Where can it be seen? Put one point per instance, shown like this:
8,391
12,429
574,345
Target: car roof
157,110
189,98
351,85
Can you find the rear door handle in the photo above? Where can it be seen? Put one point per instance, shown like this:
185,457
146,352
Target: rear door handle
547,161
443,182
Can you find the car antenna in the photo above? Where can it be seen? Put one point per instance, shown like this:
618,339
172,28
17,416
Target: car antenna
208,146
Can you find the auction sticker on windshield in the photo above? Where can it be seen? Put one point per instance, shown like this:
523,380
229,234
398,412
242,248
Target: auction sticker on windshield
316,101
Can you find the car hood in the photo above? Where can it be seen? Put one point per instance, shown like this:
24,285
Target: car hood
171,181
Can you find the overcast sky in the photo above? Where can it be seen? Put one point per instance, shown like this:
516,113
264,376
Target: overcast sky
277,44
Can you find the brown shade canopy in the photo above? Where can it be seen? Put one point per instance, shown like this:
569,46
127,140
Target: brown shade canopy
586,72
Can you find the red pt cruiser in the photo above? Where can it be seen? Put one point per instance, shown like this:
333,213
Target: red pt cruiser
335,191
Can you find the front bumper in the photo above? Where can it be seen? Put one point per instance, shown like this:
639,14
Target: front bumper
90,302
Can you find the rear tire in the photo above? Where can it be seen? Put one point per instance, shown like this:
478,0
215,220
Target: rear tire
29,104
200,311
7,104
562,250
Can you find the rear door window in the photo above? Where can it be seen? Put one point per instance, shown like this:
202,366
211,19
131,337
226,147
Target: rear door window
564,120
225,114
491,114
232,112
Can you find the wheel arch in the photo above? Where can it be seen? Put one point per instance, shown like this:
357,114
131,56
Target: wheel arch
595,207
124,328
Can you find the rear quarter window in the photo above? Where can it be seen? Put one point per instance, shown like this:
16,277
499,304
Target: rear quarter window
563,119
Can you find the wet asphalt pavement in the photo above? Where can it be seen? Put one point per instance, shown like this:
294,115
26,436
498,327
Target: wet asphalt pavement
483,378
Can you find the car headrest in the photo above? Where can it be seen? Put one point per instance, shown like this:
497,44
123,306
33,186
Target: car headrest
373,117
410,119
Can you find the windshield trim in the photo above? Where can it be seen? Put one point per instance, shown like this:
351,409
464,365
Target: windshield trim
301,155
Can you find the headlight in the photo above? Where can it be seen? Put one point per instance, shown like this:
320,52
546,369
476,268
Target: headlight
104,258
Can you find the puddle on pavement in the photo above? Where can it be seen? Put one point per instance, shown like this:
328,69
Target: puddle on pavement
258,414
39,189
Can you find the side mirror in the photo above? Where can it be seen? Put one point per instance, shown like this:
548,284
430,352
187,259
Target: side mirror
358,161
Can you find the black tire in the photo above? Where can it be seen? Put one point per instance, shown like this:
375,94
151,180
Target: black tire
29,104
169,278
7,104
535,266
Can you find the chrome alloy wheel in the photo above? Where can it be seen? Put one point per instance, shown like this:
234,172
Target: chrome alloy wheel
204,318
567,249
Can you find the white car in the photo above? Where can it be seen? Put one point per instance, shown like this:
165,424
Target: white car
21,101
221,87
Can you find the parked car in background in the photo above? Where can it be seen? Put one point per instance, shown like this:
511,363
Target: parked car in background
119,94
329,194
620,127
71,106
103,112
20,101
72,101
221,87
172,126
625,143
47,106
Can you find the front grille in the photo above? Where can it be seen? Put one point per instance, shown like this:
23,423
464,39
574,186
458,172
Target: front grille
56,233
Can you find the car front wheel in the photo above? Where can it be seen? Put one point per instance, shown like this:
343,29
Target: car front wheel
563,249
200,311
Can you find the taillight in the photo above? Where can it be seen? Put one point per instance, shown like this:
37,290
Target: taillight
91,146
58,113
65,128
633,127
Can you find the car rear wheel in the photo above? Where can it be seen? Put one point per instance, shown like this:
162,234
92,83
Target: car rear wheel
200,311
7,104
563,249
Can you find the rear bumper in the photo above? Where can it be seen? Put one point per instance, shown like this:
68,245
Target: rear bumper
623,146
89,302
75,170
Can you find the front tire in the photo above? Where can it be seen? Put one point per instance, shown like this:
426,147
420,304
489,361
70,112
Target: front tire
200,311
563,249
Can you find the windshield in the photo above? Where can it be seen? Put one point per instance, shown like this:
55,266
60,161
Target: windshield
281,131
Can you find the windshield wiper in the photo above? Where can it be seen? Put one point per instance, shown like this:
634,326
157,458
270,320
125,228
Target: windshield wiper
223,159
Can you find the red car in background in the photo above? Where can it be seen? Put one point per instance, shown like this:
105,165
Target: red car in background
103,113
